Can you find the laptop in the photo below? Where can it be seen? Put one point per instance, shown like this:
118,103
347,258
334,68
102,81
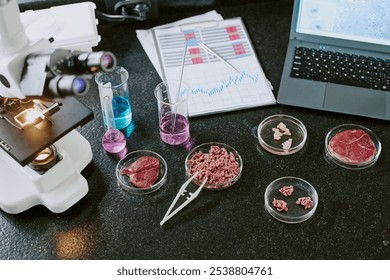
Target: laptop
338,57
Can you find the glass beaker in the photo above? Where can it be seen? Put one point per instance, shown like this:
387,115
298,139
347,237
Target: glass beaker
173,118
114,84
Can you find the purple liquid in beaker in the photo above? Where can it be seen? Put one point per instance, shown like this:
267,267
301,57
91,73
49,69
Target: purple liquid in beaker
176,135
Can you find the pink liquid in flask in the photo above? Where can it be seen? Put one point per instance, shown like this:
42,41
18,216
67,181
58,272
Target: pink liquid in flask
113,141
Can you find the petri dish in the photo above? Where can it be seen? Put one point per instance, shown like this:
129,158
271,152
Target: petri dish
124,181
352,146
274,139
235,161
296,213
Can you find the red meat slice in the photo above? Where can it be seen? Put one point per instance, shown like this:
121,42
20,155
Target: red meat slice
143,172
145,162
145,178
352,146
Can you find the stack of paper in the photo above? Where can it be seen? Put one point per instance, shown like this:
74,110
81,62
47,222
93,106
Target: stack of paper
220,64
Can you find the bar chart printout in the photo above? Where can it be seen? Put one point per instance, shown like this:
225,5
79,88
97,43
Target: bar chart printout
215,87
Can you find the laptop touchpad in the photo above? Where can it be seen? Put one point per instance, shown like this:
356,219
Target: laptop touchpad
354,100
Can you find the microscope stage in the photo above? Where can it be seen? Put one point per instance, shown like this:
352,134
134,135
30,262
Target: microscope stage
24,144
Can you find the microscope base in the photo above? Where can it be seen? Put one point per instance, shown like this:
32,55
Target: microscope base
58,188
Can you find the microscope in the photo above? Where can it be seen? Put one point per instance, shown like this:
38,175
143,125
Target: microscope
42,154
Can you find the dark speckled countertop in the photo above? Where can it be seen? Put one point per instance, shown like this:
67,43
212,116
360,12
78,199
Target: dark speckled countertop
352,220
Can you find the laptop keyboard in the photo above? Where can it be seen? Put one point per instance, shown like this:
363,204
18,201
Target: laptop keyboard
341,68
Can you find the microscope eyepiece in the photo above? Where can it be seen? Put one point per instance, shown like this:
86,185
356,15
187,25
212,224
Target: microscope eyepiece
108,61
94,62
64,72
61,86
66,62
79,86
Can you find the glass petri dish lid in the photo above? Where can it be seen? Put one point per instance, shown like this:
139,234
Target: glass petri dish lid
148,162
203,158
290,200
352,146
282,134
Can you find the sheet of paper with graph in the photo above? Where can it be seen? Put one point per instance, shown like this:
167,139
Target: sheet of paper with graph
215,86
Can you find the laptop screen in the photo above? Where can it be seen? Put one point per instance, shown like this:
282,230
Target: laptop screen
358,20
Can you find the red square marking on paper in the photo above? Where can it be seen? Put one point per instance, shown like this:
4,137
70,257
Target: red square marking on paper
197,60
194,50
234,36
190,36
239,49
231,29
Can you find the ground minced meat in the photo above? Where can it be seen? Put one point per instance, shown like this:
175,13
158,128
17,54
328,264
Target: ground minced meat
218,166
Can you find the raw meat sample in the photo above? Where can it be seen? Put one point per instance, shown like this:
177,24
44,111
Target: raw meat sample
218,166
352,146
277,134
280,205
144,172
287,144
287,190
305,201
283,128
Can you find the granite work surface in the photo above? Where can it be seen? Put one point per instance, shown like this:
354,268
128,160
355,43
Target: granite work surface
352,220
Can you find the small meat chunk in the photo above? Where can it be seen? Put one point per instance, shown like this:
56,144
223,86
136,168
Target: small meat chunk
287,190
283,128
277,134
280,205
287,144
305,201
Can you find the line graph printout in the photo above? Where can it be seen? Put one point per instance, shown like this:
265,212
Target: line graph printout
215,86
